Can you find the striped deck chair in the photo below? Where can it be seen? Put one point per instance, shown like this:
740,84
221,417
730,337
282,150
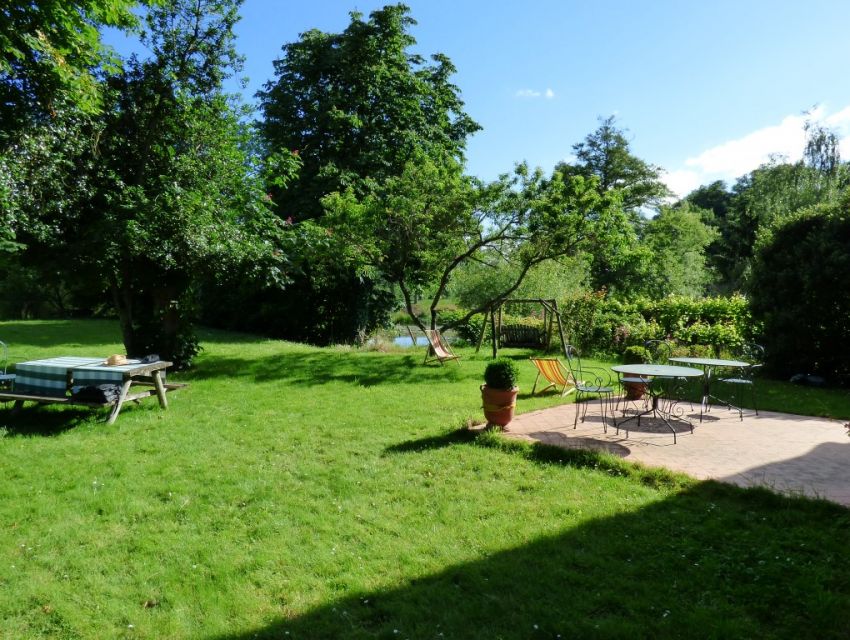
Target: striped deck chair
555,373
438,348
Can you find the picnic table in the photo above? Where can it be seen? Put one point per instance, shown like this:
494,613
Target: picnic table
50,381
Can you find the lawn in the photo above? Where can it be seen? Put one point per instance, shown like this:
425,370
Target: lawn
297,492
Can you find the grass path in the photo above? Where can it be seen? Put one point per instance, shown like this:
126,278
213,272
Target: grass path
326,493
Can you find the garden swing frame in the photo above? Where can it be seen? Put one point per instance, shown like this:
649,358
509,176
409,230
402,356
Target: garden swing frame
551,315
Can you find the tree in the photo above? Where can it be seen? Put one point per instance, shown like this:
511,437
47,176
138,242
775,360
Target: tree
357,106
605,153
427,223
714,202
676,239
169,194
49,51
773,191
796,289
606,156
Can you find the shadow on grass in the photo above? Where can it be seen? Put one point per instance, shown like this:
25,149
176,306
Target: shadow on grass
321,367
67,333
450,439
37,420
710,560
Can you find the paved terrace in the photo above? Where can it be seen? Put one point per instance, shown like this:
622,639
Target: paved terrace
795,455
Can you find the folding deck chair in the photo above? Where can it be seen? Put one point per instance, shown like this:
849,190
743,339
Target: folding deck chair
438,348
555,373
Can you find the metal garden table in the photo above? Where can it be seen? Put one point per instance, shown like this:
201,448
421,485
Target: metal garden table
709,365
662,381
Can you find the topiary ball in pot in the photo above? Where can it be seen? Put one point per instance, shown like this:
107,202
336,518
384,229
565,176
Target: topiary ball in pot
499,391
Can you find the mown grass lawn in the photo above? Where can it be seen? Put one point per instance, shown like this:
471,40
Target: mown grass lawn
296,492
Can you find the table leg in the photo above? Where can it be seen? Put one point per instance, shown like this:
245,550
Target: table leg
706,392
113,416
160,389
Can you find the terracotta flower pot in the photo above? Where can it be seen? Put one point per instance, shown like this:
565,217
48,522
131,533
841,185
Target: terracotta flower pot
634,390
498,405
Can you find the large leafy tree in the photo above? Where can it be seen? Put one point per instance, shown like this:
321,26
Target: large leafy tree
424,225
357,107
714,201
49,51
169,192
766,195
606,154
676,238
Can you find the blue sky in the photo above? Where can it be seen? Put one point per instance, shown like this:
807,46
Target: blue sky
706,89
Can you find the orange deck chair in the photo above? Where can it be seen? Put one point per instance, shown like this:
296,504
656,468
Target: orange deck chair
555,373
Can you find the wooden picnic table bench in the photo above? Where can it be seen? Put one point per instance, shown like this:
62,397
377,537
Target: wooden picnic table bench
49,381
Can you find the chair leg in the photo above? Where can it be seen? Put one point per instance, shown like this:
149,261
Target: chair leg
606,399
575,422
755,402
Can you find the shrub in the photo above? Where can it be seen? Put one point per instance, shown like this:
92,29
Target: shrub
636,355
502,373
468,331
798,291
603,326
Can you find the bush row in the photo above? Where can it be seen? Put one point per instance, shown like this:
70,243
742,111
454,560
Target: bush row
607,327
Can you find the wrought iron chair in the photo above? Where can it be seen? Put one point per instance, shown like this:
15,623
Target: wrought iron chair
744,377
589,380
6,378
660,352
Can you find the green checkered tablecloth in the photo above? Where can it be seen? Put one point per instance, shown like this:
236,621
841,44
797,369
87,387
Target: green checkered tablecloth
47,377
95,374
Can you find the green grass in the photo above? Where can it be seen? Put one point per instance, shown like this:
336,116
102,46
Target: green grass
295,492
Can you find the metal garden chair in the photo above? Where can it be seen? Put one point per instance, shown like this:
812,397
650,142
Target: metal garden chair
744,377
589,381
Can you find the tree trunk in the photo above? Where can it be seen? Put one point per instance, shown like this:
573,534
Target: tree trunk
122,297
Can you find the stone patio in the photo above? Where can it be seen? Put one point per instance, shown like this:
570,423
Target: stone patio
795,455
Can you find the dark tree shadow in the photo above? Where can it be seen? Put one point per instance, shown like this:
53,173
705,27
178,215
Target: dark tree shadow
821,472
677,568
39,420
450,439
321,367
47,333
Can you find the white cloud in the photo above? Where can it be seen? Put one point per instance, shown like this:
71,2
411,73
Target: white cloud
732,159
682,182
534,93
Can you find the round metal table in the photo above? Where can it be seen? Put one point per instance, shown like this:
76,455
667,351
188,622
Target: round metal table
661,407
709,365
